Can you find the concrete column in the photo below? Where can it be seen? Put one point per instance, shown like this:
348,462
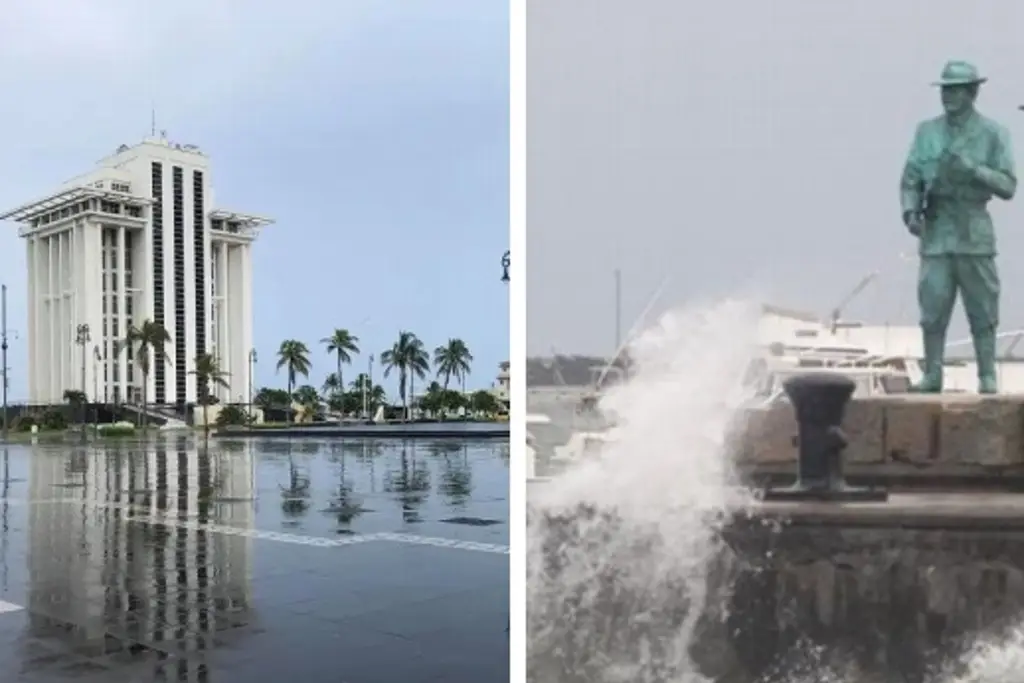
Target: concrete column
246,294
224,333
62,313
54,281
75,314
41,344
33,305
93,279
122,327
236,321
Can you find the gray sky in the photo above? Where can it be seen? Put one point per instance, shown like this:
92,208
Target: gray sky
375,133
742,147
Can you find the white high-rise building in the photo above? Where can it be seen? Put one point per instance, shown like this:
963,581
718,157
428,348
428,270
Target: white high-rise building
138,238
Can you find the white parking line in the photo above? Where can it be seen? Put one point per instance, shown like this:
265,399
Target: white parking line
444,543
144,515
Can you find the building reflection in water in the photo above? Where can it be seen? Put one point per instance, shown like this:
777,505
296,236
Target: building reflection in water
100,560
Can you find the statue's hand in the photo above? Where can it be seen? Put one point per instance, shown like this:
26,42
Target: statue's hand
959,163
914,223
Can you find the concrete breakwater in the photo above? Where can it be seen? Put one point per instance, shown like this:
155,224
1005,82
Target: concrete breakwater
412,430
913,440
754,591
893,592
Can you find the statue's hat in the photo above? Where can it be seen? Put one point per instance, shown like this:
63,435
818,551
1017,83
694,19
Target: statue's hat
959,73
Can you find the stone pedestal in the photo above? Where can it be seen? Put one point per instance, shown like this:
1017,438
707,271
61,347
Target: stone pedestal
887,592
908,439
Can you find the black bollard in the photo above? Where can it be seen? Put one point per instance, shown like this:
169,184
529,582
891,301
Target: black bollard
819,400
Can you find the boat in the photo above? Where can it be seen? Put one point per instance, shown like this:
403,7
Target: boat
531,451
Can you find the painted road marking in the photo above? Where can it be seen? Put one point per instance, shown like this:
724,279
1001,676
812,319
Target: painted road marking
143,515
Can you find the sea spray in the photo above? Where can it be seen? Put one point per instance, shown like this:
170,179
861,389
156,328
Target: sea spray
992,660
625,557
621,546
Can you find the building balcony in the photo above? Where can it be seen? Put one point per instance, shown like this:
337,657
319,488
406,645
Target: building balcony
231,226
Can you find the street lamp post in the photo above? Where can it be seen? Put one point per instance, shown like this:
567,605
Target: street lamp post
95,373
82,338
252,364
3,350
95,384
506,262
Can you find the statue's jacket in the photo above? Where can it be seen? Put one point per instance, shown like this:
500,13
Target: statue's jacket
954,196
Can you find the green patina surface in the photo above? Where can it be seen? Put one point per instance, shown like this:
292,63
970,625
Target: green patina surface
957,163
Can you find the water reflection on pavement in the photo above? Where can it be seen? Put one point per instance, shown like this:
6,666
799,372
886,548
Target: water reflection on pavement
322,560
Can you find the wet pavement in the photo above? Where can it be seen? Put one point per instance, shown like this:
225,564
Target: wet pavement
353,561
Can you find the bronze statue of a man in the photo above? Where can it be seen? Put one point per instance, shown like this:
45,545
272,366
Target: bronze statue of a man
957,162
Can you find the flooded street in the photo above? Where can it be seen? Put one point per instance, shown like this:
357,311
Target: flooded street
177,560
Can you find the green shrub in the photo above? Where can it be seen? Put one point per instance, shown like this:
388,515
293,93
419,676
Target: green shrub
116,430
23,423
53,419
231,415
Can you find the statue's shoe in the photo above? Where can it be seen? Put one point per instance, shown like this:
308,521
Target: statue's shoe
928,385
987,384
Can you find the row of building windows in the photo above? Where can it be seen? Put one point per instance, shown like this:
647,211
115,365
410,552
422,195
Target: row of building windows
233,227
101,205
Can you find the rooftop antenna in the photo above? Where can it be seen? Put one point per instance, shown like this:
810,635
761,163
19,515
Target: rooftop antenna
152,121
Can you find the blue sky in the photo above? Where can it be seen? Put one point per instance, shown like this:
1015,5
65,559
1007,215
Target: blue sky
375,132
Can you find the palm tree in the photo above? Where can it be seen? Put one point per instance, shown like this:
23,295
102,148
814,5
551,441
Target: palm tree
375,393
332,385
208,374
342,344
148,337
408,356
453,360
293,355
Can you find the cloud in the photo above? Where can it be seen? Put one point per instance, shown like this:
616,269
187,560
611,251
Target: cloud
190,56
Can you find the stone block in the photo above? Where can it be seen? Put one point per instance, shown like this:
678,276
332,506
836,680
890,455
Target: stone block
769,436
864,427
925,431
911,428
986,431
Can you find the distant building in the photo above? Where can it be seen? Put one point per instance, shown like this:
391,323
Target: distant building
572,371
138,238
501,383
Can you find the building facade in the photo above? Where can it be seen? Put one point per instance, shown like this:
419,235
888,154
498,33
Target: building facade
138,238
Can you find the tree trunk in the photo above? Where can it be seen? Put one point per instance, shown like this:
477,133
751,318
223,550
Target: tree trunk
412,397
341,386
288,415
405,403
145,397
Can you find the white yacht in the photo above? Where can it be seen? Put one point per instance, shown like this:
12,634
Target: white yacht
531,442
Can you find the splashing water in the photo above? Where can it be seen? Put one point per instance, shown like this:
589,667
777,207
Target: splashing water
999,660
640,522
623,548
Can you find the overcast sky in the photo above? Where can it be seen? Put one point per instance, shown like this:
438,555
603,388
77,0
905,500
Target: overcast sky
742,146
374,132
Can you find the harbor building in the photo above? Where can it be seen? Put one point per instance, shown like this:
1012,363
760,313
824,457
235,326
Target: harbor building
140,237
